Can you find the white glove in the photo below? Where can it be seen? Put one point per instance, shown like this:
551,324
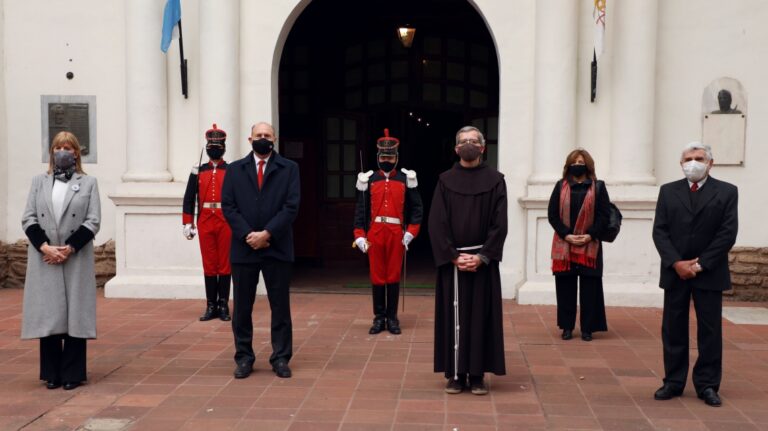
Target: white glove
362,180
189,231
410,176
407,238
362,244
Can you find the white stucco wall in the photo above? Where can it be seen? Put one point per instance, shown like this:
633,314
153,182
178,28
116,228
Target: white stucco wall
4,207
515,50
37,58
696,46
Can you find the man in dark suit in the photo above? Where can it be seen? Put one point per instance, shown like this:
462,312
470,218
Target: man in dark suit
695,227
260,200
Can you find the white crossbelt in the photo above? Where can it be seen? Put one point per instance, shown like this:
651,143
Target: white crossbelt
385,219
456,312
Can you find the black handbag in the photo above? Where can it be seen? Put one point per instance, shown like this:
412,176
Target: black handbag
612,228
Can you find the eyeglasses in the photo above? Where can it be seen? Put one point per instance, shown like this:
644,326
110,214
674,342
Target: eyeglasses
469,142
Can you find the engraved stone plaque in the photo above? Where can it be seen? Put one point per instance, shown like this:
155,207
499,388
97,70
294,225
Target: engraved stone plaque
725,134
75,114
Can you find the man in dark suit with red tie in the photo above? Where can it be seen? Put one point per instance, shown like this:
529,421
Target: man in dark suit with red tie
694,229
260,200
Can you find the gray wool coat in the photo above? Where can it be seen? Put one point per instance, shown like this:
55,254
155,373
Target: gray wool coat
61,299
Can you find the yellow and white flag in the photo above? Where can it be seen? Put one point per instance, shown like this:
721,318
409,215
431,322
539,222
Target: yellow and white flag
598,14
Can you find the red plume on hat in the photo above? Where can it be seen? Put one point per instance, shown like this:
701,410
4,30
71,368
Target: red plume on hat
214,135
387,144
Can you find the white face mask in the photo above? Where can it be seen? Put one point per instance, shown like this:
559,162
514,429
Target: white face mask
695,171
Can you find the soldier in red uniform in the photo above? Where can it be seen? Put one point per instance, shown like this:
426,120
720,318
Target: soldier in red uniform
204,191
387,218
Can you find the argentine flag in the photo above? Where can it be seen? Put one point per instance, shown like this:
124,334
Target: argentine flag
171,18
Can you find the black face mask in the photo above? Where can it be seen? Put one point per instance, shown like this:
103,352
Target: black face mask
469,152
577,170
262,146
386,166
215,153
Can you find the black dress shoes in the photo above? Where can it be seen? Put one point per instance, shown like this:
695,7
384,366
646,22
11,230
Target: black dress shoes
378,326
281,369
567,334
667,392
68,386
52,384
710,397
243,370
586,336
393,325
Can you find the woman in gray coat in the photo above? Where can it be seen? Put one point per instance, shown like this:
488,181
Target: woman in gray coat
62,216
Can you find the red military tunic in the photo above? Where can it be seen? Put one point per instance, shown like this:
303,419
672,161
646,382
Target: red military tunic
204,189
388,208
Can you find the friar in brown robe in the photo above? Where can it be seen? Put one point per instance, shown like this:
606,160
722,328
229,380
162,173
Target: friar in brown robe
467,228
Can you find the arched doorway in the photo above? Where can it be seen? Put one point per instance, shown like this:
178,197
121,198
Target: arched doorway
344,76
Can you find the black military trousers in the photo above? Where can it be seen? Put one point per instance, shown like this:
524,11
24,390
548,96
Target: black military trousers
708,370
277,277
62,359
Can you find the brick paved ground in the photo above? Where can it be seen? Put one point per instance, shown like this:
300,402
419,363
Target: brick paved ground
155,367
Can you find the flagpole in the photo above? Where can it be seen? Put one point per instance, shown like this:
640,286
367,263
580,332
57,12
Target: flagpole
593,81
183,64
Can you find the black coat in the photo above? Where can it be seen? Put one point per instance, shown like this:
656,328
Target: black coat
602,211
684,229
273,208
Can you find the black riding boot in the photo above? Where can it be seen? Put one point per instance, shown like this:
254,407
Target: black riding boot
379,310
224,297
393,294
211,309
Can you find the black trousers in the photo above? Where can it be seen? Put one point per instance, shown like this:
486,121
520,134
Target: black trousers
62,358
277,277
590,292
708,370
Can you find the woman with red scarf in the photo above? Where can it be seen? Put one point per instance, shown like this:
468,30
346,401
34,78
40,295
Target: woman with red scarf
578,212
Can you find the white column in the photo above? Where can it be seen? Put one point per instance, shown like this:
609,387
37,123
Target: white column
220,70
146,94
554,122
633,91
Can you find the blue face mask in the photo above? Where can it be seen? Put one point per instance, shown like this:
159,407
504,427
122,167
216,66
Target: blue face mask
63,159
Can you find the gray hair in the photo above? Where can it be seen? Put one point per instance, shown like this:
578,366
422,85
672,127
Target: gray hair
696,145
274,132
466,129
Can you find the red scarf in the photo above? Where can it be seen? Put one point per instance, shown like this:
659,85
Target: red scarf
564,253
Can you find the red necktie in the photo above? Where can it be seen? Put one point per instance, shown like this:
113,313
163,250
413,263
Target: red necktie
694,187
261,173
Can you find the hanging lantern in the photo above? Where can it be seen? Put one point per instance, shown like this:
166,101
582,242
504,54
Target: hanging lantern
406,34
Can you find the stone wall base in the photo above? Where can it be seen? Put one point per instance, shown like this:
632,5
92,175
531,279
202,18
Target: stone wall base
749,274
13,263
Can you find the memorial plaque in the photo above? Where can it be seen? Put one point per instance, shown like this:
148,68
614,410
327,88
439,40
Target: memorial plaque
70,117
725,134
75,114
